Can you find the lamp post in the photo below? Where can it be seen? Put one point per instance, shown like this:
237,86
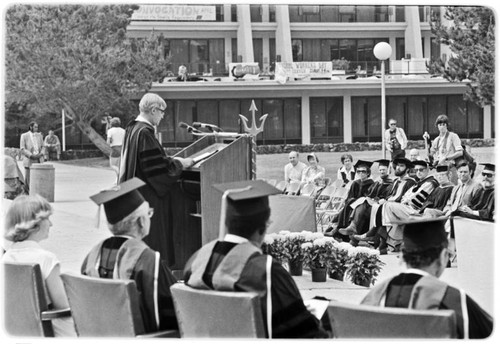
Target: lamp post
382,52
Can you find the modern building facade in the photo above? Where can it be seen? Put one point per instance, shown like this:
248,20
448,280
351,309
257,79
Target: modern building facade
343,108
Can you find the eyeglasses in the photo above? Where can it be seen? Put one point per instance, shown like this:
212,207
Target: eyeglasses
161,110
361,171
421,169
486,174
151,212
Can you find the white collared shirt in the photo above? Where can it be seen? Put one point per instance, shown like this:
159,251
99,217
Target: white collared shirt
236,239
141,118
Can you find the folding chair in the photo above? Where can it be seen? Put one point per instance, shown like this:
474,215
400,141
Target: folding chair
106,307
26,308
336,203
293,188
272,182
217,314
281,185
308,190
363,321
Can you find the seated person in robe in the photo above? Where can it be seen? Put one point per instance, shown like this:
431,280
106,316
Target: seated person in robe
482,206
236,262
126,256
425,252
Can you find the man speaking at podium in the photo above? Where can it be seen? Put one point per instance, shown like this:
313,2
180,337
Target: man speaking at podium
144,157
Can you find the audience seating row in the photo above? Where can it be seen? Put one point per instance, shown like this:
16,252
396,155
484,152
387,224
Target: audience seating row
110,308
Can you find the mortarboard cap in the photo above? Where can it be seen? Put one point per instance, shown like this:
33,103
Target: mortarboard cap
359,163
424,234
244,199
442,168
383,162
405,161
420,163
489,167
120,200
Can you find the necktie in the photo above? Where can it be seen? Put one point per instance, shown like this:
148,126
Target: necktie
458,197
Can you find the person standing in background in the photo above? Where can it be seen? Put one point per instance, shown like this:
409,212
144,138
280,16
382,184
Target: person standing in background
31,146
51,144
395,141
115,140
446,147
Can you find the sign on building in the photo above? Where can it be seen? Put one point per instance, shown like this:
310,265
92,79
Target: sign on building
303,70
175,12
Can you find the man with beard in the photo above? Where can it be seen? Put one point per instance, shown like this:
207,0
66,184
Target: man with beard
401,184
482,207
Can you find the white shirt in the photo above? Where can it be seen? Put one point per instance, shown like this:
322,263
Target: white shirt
294,173
115,136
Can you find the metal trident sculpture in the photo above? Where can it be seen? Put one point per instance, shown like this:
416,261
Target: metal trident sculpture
253,131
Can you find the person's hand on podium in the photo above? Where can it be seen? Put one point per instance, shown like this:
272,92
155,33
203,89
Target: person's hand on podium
186,162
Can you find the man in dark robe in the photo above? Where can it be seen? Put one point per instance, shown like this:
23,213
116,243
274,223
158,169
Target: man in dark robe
426,255
359,188
144,157
377,191
236,263
125,256
482,206
441,194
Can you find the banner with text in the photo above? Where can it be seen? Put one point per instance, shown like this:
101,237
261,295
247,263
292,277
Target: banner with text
174,12
301,70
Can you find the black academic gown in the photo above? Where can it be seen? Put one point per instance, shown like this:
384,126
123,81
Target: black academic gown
358,189
144,157
217,266
484,202
438,197
428,292
127,258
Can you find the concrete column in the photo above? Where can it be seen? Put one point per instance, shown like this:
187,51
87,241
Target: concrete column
487,122
245,44
283,34
347,119
265,53
227,12
265,13
413,34
228,50
306,121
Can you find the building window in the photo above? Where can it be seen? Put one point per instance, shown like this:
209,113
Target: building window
198,55
400,14
297,50
326,117
400,48
435,49
256,13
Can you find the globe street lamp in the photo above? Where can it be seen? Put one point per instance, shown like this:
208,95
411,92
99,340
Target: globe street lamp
382,52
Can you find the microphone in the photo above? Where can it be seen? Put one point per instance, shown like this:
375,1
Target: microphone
210,127
189,128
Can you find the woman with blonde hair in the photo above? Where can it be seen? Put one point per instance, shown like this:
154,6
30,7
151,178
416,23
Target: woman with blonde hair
26,224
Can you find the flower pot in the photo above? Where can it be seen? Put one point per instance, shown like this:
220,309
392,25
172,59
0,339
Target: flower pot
295,267
364,283
337,275
318,274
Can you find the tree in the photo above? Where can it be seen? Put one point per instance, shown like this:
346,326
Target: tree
471,38
78,58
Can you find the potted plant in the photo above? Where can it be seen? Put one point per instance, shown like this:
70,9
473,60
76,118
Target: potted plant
363,266
292,247
340,66
339,260
273,246
317,255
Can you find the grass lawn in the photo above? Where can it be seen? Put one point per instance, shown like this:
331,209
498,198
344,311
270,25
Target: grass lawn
270,166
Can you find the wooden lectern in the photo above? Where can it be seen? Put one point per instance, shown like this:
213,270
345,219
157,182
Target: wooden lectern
197,203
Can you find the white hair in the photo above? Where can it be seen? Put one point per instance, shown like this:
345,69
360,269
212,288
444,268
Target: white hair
149,101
